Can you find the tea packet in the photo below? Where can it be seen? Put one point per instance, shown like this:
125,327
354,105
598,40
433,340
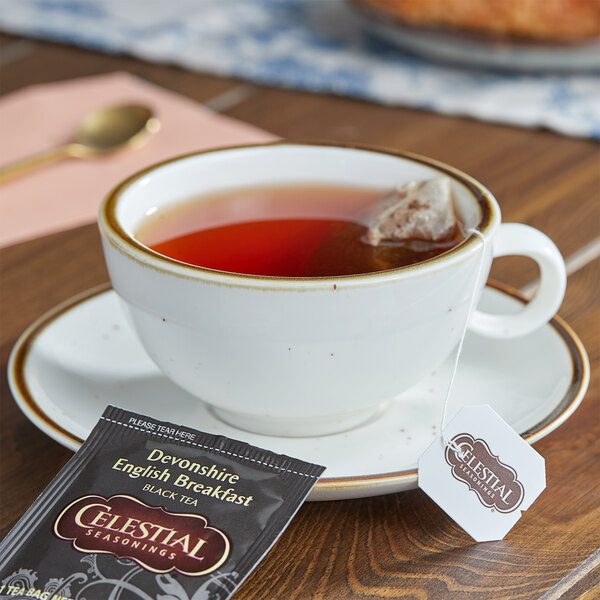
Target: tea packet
151,510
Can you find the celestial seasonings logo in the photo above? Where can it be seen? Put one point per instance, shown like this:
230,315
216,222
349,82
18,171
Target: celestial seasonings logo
157,539
494,482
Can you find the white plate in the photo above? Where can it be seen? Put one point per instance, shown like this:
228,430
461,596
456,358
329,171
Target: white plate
473,49
83,355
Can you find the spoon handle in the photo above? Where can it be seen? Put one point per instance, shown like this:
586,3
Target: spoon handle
36,161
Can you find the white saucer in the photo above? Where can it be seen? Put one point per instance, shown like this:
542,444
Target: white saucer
83,355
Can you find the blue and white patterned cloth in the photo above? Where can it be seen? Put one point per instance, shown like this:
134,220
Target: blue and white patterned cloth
317,45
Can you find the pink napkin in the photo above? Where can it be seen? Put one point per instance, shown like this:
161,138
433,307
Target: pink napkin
67,194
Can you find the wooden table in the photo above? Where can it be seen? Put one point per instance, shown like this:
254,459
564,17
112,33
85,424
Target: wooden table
400,545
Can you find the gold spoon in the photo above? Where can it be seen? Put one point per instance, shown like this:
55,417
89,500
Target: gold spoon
100,132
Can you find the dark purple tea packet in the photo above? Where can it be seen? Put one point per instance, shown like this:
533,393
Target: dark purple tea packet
148,510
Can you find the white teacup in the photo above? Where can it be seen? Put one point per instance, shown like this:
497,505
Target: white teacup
294,357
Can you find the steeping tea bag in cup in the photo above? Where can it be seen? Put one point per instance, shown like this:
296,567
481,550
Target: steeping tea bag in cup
412,223
414,211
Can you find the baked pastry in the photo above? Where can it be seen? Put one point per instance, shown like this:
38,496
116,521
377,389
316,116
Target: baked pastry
560,20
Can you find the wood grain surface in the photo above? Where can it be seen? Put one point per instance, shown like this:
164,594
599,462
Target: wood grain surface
400,545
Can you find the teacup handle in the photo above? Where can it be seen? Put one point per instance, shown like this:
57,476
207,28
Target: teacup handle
518,239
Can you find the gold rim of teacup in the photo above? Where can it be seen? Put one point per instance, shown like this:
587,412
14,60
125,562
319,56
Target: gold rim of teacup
127,244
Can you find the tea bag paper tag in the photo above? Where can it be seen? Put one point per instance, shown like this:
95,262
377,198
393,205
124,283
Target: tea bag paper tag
486,486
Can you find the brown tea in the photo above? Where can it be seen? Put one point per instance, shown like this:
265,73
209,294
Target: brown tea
283,231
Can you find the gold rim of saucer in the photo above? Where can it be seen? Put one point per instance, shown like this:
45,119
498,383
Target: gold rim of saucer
26,398
125,243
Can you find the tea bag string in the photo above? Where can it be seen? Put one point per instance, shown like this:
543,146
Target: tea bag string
448,442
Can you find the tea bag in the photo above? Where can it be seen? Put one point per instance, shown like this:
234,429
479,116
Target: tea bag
415,211
410,224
